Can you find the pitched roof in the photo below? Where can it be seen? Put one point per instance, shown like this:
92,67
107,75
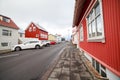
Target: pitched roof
9,24
40,27
21,31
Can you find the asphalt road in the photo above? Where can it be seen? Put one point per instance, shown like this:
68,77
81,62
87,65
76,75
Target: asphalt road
28,64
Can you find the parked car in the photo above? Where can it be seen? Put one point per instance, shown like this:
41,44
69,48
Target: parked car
46,42
27,45
52,42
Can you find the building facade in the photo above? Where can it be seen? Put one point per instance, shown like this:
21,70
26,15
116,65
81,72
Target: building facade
58,38
8,33
98,25
36,31
21,33
51,37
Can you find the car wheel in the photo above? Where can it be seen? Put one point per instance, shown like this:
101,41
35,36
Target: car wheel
17,49
48,45
37,47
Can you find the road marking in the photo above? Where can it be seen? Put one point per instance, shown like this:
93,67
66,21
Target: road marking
11,55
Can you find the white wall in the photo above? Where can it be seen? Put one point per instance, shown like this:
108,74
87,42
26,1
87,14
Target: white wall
75,41
12,40
111,75
23,35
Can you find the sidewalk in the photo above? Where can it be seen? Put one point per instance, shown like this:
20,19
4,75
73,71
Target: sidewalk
4,51
72,65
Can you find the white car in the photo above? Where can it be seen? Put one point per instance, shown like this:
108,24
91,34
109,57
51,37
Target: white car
27,45
46,42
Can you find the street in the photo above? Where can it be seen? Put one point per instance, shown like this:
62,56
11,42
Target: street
28,64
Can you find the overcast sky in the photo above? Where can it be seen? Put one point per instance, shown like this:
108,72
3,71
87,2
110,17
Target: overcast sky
56,16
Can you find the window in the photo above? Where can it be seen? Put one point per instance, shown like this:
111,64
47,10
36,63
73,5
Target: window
103,71
37,35
81,33
34,28
6,19
6,32
95,23
21,34
30,29
42,35
4,44
46,36
34,41
100,68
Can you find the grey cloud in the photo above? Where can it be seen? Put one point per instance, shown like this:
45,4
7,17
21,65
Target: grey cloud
57,12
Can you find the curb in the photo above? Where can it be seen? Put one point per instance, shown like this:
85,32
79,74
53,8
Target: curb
4,51
52,65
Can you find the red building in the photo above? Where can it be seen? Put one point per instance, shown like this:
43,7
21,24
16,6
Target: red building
98,30
36,31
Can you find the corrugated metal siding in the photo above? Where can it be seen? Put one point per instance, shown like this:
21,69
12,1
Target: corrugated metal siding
33,33
108,52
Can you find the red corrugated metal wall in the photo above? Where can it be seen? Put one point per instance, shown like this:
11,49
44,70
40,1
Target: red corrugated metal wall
32,34
107,53
45,33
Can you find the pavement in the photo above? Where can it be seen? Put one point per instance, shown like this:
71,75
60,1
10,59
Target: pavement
4,51
72,65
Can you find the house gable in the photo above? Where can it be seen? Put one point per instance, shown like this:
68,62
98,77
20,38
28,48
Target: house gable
7,22
35,31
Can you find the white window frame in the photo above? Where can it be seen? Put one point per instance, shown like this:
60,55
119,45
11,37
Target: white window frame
6,20
4,43
103,69
37,35
30,29
100,67
6,32
96,38
34,28
81,33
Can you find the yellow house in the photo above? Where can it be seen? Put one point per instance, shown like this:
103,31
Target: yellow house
51,37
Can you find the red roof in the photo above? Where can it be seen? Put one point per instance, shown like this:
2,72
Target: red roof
10,24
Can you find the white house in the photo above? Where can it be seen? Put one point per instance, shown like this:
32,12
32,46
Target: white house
8,33
58,38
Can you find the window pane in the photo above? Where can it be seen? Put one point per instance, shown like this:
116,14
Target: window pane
93,29
99,26
5,32
89,31
34,28
4,44
10,33
103,74
20,34
97,66
89,18
81,33
30,29
92,15
97,9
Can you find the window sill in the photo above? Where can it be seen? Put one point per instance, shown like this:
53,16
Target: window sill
102,40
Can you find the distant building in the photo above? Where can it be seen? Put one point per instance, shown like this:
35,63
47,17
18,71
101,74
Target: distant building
21,33
58,38
36,31
98,31
8,33
51,37
74,36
